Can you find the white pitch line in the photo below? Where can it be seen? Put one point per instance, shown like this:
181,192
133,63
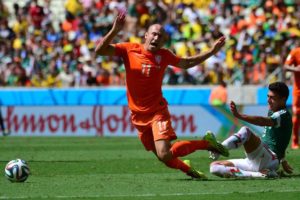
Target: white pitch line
147,195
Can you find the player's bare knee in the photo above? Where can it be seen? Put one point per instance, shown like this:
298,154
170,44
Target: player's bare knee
246,130
244,133
243,129
164,156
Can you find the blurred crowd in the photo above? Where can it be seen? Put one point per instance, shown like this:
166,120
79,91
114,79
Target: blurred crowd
35,52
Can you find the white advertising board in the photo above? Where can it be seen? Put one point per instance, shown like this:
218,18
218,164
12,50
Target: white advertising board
109,120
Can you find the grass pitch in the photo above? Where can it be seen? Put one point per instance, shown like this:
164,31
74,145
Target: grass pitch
120,168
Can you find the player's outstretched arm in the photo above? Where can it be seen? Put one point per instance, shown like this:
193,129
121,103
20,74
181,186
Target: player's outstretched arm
256,120
192,61
104,47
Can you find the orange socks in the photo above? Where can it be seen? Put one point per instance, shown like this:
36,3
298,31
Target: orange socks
183,148
175,163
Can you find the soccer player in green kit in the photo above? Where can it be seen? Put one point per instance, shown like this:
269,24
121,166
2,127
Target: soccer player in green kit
263,155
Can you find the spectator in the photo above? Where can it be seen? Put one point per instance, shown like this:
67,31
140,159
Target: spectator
65,77
36,14
219,95
73,9
264,31
4,13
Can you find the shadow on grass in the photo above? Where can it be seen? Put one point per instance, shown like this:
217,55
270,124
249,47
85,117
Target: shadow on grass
281,176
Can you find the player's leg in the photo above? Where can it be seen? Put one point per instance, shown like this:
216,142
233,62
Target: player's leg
296,122
158,141
146,137
295,136
243,137
161,147
228,169
163,134
260,163
164,154
185,147
162,129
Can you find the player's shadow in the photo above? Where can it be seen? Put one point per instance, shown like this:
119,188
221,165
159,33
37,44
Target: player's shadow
281,176
289,176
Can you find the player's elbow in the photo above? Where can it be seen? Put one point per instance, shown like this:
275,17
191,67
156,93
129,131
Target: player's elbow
104,50
184,63
99,50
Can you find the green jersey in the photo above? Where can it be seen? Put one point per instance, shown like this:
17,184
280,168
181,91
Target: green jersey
277,137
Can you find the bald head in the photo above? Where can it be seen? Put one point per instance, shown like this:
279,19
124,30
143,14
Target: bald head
156,27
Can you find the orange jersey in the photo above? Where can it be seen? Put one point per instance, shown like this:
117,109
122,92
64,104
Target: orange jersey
294,59
144,76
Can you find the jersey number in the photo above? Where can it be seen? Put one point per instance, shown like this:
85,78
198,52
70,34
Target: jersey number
146,70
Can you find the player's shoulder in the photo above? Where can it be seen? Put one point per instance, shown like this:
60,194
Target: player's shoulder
166,51
128,45
296,51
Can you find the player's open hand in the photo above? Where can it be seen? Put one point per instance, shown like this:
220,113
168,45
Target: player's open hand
218,44
119,21
233,109
286,167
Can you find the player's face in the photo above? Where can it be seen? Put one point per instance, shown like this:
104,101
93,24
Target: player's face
275,101
154,38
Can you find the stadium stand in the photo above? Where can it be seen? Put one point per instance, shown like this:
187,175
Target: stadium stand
52,44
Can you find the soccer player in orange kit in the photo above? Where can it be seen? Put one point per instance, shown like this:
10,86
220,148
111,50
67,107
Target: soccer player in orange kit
145,65
292,64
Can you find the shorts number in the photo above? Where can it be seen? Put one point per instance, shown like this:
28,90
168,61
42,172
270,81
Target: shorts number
162,126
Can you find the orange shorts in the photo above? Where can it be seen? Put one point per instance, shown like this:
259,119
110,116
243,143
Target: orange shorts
153,127
296,104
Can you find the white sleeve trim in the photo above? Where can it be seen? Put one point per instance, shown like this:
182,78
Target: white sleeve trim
277,117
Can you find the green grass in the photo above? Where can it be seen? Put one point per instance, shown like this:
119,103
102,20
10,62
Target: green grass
120,168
